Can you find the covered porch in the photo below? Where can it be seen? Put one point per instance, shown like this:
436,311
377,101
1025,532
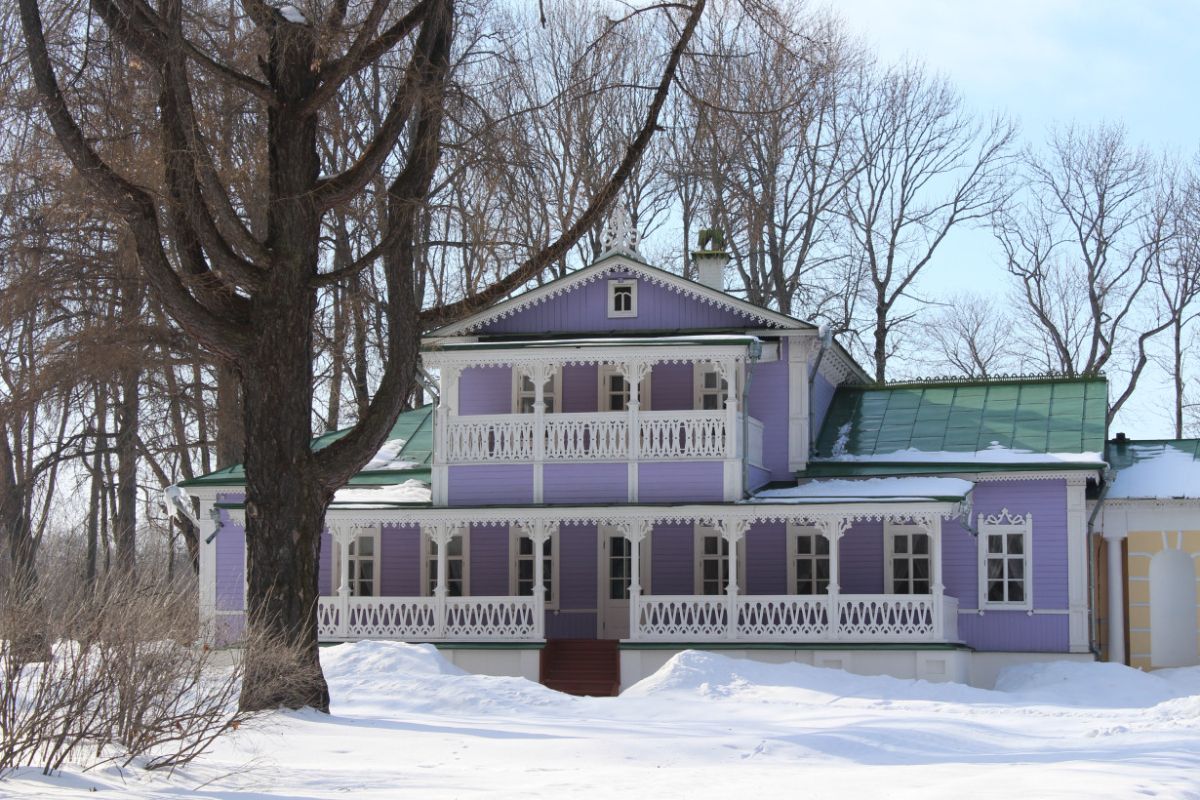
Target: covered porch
755,572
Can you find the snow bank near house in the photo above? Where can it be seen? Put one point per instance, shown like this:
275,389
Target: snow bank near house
894,488
411,491
1092,685
389,678
1058,683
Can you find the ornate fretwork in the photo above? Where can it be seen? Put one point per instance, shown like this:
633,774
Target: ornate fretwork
621,235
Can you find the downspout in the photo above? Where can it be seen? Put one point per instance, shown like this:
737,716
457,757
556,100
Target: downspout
1107,475
825,336
753,355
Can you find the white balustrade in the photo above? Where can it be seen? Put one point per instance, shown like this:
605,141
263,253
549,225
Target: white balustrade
662,436
422,619
491,437
586,437
796,618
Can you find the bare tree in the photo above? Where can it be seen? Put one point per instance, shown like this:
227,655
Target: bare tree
972,335
928,167
1084,244
246,287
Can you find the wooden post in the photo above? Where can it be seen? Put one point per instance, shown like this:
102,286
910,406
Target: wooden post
634,533
440,535
832,529
935,576
732,532
633,372
343,535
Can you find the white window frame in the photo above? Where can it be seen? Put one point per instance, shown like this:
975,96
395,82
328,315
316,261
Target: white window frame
698,533
613,284
644,555
793,531
376,559
515,534
699,370
606,371
518,382
428,571
1005,524
889,531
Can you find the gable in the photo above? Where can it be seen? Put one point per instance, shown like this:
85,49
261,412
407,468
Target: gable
580,303
1031,415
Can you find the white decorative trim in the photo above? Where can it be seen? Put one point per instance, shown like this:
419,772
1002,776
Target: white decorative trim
892,529
515,533
463,531
1004,524
1072,477
648,355
623,265
793,531
622,283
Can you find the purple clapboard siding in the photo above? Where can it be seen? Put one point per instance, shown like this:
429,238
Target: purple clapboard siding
671,559
490,484
768,403
580,394
822,396
230,629
577,567
571,625
231,566
400,561
680,481
758,477
861,559
766,559
485,390
585,483
960,564
489,560
585,309
672,387
325,586
1015,630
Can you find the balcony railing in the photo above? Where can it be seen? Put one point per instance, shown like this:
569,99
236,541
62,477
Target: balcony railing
867,618
662,435
430,619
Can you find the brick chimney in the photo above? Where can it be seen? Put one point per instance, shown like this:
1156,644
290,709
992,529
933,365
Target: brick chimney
711,258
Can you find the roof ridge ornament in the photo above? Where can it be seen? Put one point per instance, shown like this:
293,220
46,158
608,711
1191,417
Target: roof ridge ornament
621,235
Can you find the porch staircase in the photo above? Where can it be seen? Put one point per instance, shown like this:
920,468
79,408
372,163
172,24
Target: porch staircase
584,667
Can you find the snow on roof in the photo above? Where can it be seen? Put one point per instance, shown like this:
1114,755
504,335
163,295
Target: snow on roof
387,457
995,453
1158,471
867,490
411,491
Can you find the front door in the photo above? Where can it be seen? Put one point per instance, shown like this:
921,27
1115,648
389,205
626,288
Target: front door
615,564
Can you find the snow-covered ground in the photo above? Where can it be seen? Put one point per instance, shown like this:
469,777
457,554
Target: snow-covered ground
406,723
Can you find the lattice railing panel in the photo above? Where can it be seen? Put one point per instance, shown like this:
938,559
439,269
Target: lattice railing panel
491,618
682,434
783,618
393,617
886,617
586,437
682,617
504,437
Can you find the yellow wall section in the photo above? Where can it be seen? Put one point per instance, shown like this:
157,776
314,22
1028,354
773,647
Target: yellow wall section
1143,545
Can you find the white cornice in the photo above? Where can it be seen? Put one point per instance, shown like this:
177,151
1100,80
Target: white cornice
652,354
596,271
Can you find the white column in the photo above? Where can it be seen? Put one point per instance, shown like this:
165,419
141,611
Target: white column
732,530
447,409
634,371
1077,565
1113,538
832,529
538,533
208,571
634,533
936,588
440,535
342,535
538,374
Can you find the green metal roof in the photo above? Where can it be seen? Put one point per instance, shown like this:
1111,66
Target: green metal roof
1033,415
414,427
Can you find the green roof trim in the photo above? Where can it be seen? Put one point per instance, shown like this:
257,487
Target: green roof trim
1038,414
414,427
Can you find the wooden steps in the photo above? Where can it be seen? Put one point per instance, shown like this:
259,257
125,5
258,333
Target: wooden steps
585,667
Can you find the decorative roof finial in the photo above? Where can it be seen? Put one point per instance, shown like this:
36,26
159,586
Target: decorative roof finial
621,234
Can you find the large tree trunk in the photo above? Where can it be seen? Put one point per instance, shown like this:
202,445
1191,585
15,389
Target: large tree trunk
125,523
231,431
283,547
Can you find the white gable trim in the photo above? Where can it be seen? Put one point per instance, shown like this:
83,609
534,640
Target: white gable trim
607,266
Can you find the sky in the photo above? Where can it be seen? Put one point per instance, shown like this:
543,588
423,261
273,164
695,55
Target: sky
1046,63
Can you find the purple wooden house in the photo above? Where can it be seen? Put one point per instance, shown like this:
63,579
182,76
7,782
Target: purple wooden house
623,464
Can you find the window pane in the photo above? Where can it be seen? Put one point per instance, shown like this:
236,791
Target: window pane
822,545
900,544
710,570
803,568
1016,592
709,403
1016,568
1016,544
823,568
995,543
804,587
366,546
996,591
524,546
525,570
900,569
822,587
920,544
366,569
710,545
455,548
920,587
454,570
920,567
899,587
995,568
803,545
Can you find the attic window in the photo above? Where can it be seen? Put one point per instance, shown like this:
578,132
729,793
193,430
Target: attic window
622,298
